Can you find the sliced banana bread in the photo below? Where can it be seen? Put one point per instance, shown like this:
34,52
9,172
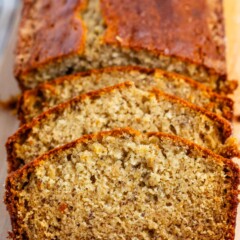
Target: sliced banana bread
125,185
35,101
61,37
122,105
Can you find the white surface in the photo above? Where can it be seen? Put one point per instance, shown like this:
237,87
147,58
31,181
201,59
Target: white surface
9,124
7,16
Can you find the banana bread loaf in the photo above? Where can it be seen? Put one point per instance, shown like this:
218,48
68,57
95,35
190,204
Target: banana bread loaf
61,37
125,185
122,105
35,101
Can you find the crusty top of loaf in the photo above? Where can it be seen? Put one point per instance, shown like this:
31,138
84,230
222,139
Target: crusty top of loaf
49,30
191,30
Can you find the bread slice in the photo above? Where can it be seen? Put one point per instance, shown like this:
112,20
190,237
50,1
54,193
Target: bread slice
35,101
58,38
125,185
122,105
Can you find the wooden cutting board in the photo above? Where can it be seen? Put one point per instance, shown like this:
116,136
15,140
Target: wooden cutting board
232,21
8,86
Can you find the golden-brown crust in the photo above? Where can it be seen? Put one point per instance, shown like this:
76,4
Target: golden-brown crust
192,30
54,30
12,179
13,163
227,112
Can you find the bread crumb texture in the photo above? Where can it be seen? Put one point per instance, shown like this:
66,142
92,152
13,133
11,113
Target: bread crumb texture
124,187
119,106
45,96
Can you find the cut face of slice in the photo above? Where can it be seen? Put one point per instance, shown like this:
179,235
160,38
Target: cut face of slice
122,105
113,183
34,102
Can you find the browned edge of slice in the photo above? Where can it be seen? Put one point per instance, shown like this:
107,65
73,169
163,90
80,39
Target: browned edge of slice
10,198
223,124
228,114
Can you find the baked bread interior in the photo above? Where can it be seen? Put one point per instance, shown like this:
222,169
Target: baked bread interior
125,185
35,101
121,105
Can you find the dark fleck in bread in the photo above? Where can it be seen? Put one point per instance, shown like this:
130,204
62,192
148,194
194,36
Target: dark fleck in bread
61,37
125,185
122,105
35,101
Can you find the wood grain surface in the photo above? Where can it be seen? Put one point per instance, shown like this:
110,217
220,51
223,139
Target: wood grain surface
232,23
8,86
